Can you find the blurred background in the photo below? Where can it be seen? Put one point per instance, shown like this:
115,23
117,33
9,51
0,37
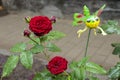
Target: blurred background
61,8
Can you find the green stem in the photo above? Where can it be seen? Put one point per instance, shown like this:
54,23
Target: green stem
33,40
69,77
86,49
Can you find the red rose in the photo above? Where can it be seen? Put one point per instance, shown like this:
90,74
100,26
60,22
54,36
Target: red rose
40,25
27,33
57,65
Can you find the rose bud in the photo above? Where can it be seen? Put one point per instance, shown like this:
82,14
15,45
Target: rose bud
27,33
27,19
53,19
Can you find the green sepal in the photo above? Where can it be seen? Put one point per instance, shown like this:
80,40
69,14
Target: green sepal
26,58
10,65
86,11
27,19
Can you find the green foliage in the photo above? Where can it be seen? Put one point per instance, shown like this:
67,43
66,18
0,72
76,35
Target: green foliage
35,39
26,55
46,75
79,73
26,58
93,78
11,63
37,49
95,68
114,72
83,61
110,27
80,68
115,44
43,39
55,35
116,50
19,47
52,47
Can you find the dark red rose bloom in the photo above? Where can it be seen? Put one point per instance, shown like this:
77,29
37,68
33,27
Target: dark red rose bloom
57,65
27,33
40,25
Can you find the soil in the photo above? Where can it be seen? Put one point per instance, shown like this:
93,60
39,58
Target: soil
20,73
